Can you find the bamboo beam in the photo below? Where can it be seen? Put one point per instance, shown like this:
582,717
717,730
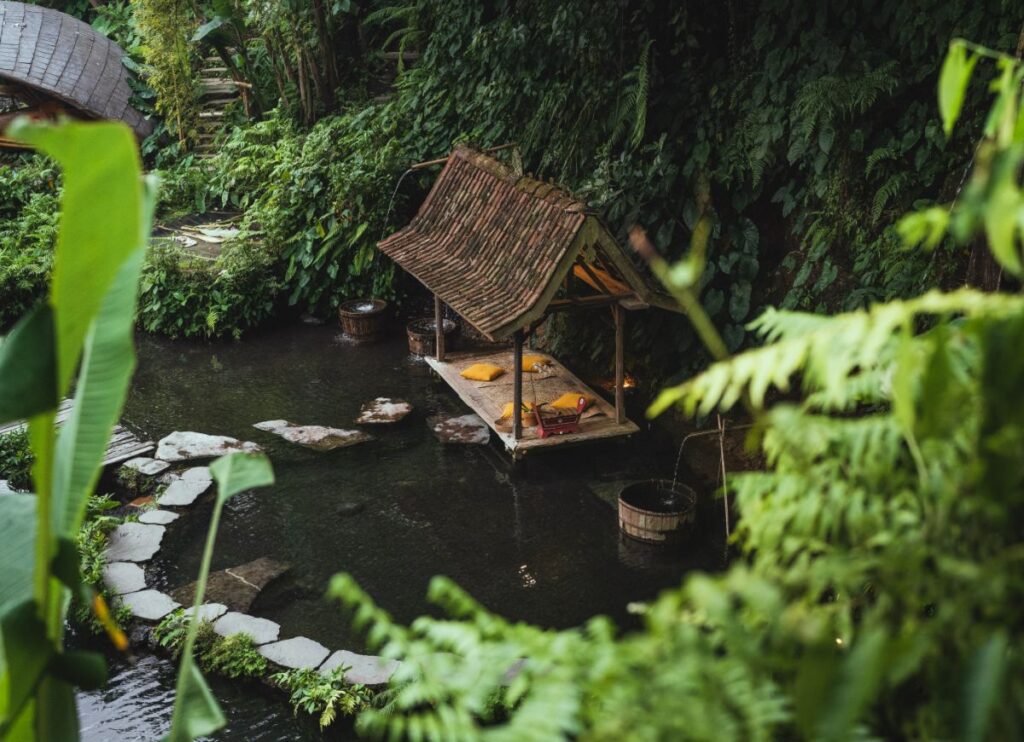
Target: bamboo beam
438,328
443,160
587,302
517,386
619,315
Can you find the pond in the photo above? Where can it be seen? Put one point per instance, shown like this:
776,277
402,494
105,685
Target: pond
531,542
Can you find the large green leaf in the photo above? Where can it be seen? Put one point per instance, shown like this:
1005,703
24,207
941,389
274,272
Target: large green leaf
238,472
101,221
28,370
26,652
953,80
196,712
17,534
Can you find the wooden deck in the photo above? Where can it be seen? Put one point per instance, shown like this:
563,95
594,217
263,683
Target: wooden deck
123,445
487,398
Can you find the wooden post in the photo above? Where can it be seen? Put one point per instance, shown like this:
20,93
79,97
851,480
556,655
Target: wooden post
438,328
619,315
517,386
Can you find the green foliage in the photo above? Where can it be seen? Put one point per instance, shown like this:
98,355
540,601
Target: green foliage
879,575
164,28
92,538
235,656
16,459
324,695
172,631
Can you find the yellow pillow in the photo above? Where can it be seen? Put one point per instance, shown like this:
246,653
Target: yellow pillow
528,419
569,400
482,372
530,363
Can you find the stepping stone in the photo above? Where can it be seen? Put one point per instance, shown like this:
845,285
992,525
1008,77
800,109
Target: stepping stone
123,577
133,542
469,429
208,611
184,488
146,466
152,605
186,446
158,517
296,653
317,437
383,410
364,669
236,587
261,630
6,488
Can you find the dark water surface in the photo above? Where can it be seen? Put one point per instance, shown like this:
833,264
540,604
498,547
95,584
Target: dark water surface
532,543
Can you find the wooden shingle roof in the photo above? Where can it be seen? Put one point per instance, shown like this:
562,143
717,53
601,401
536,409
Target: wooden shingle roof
495,246
63,58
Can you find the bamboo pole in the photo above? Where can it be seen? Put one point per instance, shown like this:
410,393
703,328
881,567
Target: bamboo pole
438,328
618,313
517,386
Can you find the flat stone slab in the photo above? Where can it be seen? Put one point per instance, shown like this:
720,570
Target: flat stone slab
152,605
236,587
123,577
208,611
318,437
383,410
261,630
296,653
158,517
366,669
187,446
6,488
470,429
146,466
183,489
134,542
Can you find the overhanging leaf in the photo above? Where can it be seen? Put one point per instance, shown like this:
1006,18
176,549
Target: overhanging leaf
28,367
196,711
238,472
17,536
953,80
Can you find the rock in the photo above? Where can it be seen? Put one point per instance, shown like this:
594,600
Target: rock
236,587
152,605
123,577
158,517
186,446
350,508
208,611
6,488
383,410
317,437
184,488
134,542
261,630
146,466
296,653
363,668
463,429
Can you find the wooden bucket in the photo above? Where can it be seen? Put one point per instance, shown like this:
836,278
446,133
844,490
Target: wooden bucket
423,336
657,511
363,319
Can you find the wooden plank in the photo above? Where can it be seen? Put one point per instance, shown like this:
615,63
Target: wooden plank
618,313
517,385
487,400
438,328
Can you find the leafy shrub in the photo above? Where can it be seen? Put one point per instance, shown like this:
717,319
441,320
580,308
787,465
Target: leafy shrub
16,459
235,656
325,695
172,630
183,295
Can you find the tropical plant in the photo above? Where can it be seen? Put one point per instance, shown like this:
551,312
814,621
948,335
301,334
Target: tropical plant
880,575
236,656
164,28
325,695
16,459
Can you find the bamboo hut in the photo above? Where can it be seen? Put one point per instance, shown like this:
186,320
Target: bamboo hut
505,251
52,64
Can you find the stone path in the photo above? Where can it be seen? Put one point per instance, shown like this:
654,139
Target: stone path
183,489
383,410
296,653
188,446
134,542
262,630
146,466
236,587
318,437
469,429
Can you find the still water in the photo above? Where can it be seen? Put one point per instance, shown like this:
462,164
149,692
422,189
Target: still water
531,542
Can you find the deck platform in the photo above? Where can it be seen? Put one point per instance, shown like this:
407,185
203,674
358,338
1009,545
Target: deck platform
487,398
123,445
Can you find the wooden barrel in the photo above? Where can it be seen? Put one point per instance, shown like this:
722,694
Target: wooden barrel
363,319
423,336
657,511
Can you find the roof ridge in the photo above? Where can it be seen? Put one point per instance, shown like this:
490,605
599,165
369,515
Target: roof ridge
556,195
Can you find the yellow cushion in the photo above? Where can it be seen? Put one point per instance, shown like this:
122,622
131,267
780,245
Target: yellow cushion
530,363
528,419
482,372
568,401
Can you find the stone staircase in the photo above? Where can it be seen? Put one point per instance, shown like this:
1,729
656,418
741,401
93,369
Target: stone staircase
218,91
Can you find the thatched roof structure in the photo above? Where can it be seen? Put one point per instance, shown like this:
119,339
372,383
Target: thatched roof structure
497,247
50,60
